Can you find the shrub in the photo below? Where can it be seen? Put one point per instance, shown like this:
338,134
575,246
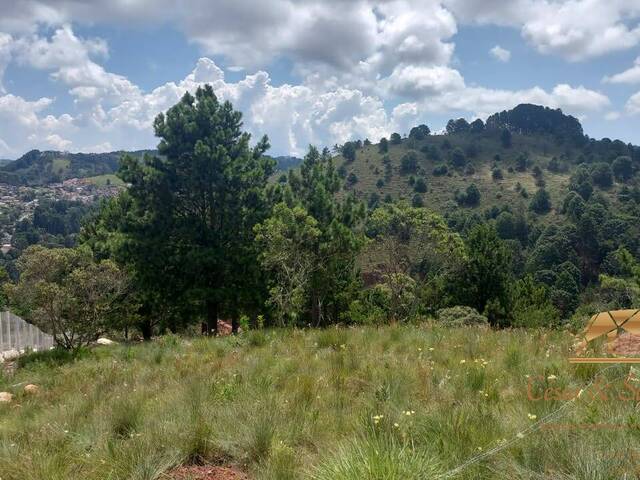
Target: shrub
541,202
409,163
496,174
458,158
602,175
460,315
420,185
440,170
51,358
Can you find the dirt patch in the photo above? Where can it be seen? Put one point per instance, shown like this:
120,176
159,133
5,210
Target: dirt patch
205,472
627,345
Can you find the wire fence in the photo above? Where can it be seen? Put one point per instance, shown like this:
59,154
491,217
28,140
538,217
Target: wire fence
16,334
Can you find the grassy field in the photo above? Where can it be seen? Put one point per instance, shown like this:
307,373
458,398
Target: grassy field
106,179
399,402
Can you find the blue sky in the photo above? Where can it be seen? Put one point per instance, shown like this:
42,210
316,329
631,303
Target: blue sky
85,76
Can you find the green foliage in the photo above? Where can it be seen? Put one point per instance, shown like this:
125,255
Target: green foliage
505,138
534,119
581,182
458,158
622,168
457,126
288,238
440,170
496,174
531,305
540,202
377,457
67,294
187,231
420,185
602,175
312,270
470,197
420,132
409,163
477,126
396,139
460,316
486,272
618,293
383,146
348,151
51,358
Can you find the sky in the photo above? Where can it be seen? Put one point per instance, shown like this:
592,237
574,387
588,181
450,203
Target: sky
90,76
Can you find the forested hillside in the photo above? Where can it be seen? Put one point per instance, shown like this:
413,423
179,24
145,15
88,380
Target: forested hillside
42,168
520,221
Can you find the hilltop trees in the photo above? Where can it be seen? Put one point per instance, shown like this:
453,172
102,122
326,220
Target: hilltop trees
419,133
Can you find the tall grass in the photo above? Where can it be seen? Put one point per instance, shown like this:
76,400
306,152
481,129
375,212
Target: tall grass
399,402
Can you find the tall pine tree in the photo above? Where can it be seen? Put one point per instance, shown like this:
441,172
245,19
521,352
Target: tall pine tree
188,232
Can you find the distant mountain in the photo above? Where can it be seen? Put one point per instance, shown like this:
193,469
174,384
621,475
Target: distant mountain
4,161
285,163
41,168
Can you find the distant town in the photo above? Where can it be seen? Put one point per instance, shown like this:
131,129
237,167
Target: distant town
18,203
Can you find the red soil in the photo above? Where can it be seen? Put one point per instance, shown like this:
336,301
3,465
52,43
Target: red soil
627,345
206,472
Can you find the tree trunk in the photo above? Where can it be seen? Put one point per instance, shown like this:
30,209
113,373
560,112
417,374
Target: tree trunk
147,329
235,324
315,311
212,317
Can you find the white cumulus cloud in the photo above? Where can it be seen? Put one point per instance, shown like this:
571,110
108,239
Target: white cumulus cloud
630,76
501,54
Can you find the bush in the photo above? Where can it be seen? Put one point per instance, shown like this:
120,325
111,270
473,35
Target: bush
409,163
459,316
541,202
420,186
51,358
440,170
496,174
458,158
602,175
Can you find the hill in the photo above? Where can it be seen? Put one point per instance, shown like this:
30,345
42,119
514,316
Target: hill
41,168
542,148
